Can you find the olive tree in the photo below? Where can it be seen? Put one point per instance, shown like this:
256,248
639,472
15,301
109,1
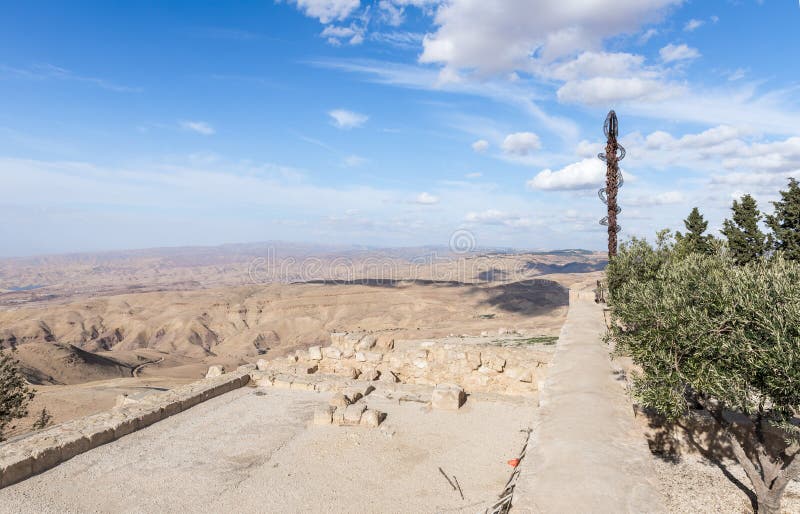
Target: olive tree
710,335
14,392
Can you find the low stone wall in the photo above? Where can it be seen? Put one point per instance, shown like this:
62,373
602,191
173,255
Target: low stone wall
30,454
477,367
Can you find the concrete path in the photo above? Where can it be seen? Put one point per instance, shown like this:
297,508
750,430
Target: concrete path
586,454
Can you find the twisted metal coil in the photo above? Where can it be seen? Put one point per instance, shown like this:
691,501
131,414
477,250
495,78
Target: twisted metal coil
611,130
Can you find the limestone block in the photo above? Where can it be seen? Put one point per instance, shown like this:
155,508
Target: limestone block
15,465
302,385
447,397
373,356
323,415
246,368
474,360
330,352
485,370
371,418
262,365
493,362
338,416
353,396
385,342
366,343
388,376
420,363
315,353
306,369
215,371
360,357
265,381
358,391
520,374
352,413
348,372
370,375
282,383
337,338
45,451
291,358
339,400
352,339
348,353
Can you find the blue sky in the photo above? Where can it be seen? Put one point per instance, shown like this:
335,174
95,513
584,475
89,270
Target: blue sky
391,123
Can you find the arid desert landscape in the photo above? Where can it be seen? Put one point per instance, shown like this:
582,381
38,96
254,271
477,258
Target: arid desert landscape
87,328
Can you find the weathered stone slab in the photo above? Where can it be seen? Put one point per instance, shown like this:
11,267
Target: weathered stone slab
447,397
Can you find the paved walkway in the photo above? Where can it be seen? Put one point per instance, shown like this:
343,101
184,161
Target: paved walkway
586,454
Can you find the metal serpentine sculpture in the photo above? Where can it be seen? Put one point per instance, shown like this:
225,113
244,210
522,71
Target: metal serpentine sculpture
608,195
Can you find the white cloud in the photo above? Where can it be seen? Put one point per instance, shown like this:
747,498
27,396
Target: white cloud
352,161
345,119
201,127
606,90
480,145
494,37
672,53
327,10
585,174
390,13
496,217
521,143
594,78
474,175
425,198
647,35
336,34
693,25
664,198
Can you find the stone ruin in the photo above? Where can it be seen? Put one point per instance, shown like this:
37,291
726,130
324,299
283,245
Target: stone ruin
447,370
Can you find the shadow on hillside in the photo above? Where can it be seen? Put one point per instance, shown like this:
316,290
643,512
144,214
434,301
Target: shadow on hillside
570,267
527,297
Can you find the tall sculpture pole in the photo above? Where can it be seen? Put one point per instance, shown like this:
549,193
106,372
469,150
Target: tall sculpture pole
614,153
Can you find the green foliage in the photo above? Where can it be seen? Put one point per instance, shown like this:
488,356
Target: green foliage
705,331
702,326
746,242
14,393
695,240
785,222
43,420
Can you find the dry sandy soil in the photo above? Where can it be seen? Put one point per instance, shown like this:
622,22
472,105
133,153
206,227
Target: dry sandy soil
252,451
89,327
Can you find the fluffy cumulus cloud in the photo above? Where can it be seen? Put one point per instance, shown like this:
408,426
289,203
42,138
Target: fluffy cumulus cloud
693,25
327,10
425,198
352,34
200,127
521,143
607,77
585,174
480,35
480,146
672,53
344,119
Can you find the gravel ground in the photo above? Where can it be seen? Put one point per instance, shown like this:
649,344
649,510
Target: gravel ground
695,485
248,451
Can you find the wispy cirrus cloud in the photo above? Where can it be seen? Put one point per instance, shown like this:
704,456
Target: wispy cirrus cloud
345,119
200,127
51,72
